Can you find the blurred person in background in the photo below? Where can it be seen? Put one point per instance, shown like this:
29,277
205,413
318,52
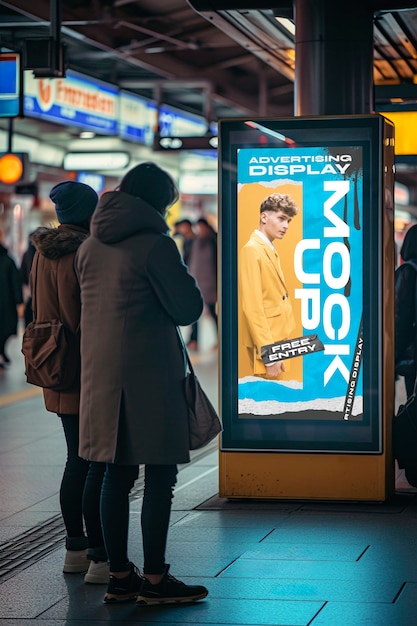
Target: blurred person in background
183,229
57,296
136,291
25,267
184,236
11,297
202,263
405,294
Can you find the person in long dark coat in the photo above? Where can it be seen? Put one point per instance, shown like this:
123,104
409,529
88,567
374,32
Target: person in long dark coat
135,292
202,262
405,311
25,268
11,296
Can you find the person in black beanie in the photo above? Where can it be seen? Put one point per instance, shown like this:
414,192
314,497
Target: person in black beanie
54,285
135,292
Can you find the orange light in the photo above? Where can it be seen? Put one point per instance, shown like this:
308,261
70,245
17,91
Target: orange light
11,169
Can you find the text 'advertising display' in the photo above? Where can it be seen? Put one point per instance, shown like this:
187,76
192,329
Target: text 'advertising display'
299,253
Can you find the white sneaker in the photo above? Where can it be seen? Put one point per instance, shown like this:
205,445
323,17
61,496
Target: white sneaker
75,562
98,573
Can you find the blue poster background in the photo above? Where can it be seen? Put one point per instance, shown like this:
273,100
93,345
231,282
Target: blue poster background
325,381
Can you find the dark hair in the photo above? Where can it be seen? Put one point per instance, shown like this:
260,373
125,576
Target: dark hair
209,227
409,247
152,184
279,202
183,221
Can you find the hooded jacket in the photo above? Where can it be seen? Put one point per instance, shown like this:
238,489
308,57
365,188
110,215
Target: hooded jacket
135,291
56,291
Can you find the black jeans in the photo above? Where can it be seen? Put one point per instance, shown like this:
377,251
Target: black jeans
156,510
80,494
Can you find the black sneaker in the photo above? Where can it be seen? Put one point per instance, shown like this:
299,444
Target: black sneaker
124,589
169,590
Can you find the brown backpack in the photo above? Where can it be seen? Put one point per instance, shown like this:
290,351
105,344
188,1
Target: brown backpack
51,351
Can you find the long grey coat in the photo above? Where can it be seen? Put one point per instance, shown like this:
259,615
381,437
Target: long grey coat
135,290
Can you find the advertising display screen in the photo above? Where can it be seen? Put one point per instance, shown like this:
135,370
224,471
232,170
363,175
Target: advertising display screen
299,220
11,92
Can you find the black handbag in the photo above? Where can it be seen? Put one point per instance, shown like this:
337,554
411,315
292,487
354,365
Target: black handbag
404,438
204,423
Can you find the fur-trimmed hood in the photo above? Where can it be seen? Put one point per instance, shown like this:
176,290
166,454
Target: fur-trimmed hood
54,243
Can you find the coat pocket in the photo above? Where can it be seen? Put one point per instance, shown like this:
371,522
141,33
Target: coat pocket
51,355
273,311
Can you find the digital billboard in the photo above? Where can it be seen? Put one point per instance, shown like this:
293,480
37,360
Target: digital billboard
11,77
300,219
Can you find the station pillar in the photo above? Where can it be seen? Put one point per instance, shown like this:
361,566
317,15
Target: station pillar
333,77
333,57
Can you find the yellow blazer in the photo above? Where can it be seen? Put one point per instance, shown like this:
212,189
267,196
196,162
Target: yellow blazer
266,311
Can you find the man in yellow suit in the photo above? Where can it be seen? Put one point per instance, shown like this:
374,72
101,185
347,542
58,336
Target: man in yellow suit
267,315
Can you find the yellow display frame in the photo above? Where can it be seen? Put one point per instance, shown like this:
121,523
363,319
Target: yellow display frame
334,476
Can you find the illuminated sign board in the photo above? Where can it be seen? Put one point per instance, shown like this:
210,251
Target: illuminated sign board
11,98
297,289
96,181
96,161
199,142
87,103
75,100
405,131
320,245
137,118
173,122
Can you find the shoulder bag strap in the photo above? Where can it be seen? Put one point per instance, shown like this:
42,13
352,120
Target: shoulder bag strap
187,360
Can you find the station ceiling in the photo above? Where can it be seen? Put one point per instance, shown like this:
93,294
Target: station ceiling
218,61
215,58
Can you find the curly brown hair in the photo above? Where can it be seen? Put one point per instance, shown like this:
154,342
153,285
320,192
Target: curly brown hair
280,202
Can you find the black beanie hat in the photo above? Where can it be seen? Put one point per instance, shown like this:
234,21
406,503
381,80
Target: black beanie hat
74,202
154,185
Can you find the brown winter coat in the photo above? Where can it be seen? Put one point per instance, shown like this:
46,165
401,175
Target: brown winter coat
58,295
135,290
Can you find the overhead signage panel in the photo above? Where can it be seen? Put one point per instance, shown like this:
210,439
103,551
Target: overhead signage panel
86,103
179,123
10,84
75,100
137,118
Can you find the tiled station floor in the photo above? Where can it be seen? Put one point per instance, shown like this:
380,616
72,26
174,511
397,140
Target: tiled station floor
280,563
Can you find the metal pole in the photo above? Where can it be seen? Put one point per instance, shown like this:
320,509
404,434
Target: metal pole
10,135
334,57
